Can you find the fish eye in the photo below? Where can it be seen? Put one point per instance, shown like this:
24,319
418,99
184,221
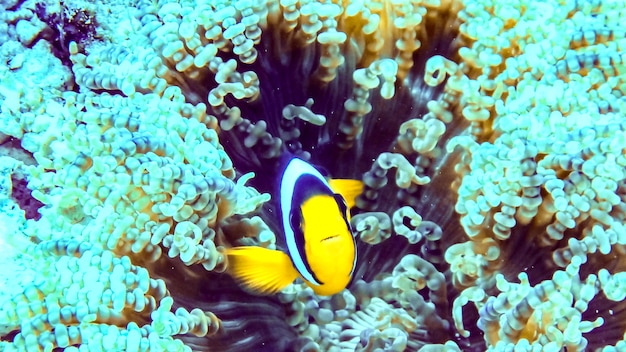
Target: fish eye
295,219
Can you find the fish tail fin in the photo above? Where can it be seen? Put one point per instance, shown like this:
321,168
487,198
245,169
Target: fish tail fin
349,189
261,270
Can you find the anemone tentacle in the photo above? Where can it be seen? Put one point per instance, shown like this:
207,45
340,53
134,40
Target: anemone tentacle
489,135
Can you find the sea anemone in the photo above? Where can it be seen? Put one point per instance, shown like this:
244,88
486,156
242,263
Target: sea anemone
489,136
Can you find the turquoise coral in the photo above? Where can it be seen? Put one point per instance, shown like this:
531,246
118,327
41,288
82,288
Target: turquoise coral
489,135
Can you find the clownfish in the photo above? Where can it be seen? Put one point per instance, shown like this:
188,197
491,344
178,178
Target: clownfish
320,247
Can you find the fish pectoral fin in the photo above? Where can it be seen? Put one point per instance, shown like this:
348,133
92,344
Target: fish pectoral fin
349,189
329,238
261,270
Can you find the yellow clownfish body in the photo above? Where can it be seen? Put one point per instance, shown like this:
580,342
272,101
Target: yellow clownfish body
316,227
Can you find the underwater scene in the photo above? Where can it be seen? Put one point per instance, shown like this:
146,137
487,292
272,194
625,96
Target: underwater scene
263,175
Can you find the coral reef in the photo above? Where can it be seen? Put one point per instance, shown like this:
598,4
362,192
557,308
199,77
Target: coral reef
490,137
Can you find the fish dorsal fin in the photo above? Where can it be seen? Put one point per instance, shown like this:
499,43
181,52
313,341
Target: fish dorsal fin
261,270
349,189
